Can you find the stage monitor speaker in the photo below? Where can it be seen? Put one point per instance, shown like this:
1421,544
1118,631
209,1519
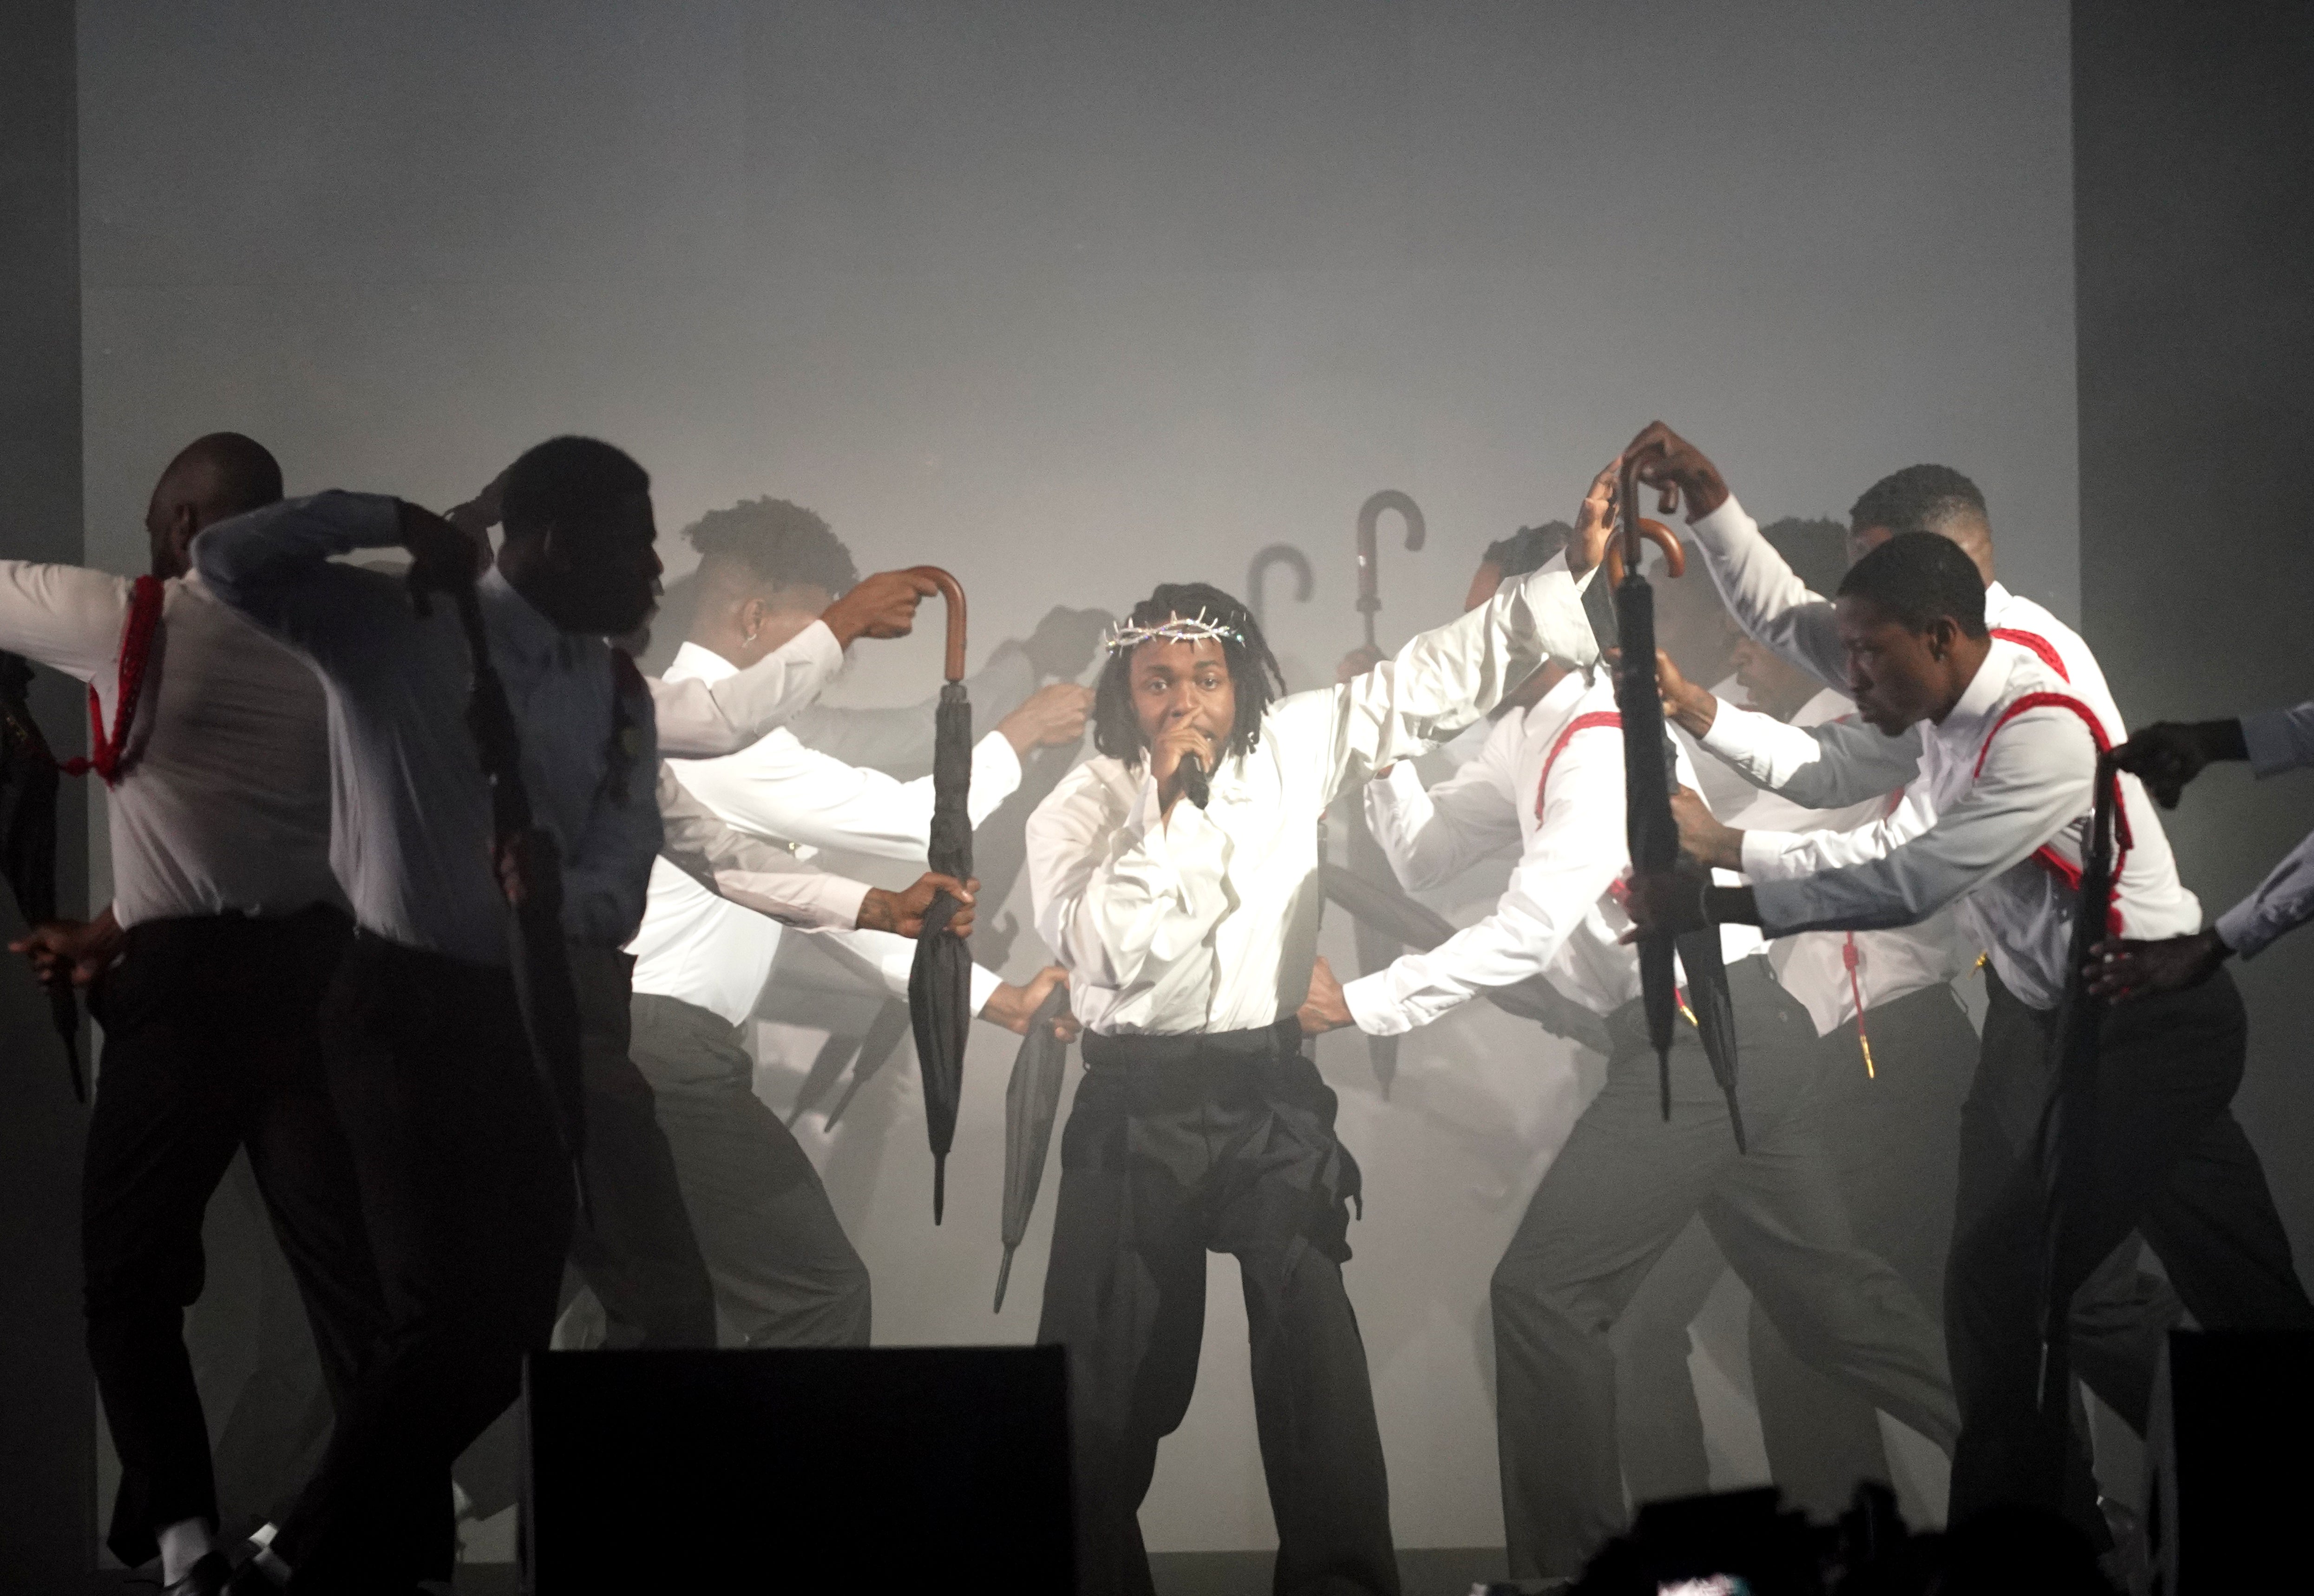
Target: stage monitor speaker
2227,1459
807,1469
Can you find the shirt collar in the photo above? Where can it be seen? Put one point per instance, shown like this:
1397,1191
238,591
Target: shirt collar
1559,702
519,627
693,662
1997,599
1982,693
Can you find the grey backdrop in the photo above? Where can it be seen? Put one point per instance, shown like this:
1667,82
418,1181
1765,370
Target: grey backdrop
1072,299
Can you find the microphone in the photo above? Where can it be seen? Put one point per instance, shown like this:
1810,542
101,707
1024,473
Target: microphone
1196,785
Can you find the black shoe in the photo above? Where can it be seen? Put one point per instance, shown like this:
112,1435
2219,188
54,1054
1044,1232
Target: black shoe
211,1576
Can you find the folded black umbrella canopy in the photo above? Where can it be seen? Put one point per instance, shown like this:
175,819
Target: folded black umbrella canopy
1032,1101
1651,830
539,959
940,982
2068,1131
1377,950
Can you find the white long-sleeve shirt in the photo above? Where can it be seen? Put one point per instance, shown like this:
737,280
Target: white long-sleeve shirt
1205,919
2278,740
700,715
222,805
710,951
411,814
1557,918
2009,795
1814,965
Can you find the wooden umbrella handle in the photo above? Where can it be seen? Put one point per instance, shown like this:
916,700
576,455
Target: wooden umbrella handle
1662,537
953,592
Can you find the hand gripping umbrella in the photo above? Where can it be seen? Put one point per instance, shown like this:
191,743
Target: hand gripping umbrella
1257,570
940,983
1377,949
539,962
1032,1100
28,836
2068,1131
1652,833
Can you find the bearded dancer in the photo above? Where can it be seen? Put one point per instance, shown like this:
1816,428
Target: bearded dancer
1175,877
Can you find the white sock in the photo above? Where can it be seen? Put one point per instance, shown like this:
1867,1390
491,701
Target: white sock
183,1544
262,1536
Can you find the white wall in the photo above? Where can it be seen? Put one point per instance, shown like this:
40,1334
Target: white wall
1074,299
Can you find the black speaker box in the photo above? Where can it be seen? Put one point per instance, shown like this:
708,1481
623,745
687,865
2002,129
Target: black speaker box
812,1470
2227,1469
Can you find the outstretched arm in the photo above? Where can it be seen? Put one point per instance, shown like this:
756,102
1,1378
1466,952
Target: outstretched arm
1431,836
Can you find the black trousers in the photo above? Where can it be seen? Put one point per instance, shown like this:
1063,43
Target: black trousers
637,1250
469,1202
1894,1138
210,1045
2175,1166
1178,1146
1617,1196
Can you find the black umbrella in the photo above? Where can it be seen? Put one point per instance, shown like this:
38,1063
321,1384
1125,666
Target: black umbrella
1257,570
538,959
28,836
1376,950
1652,833
940,983
2068,1131
1032,1101
1387,908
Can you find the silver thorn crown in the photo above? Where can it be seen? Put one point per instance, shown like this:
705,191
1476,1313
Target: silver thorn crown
1127,635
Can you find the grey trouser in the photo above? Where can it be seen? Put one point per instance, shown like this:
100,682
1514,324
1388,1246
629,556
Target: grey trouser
783,1272
1619,1193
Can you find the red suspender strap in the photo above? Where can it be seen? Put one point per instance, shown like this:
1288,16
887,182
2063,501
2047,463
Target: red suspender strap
2063,869
2038,645
1580,723
145,595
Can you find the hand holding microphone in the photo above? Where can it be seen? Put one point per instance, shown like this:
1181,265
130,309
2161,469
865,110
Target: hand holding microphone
1182,761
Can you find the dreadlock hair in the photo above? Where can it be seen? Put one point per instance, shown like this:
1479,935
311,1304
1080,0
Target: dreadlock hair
1920,578
1529,548
1252,668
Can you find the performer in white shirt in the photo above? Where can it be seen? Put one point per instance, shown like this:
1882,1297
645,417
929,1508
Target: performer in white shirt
2167,756
782,1270
463,1178
2122,1312
2010,759
1188,930
1627,1181
209,973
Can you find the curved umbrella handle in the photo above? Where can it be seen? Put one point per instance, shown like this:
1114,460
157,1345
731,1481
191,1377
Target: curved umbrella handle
1288,556
1662,537
1370,516
952,591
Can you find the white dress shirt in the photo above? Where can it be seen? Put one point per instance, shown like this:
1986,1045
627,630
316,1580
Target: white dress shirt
700,715
1558,918
2033,792
223,804
1770,601
708,950
2278,740
410,835
1813,967
1205,919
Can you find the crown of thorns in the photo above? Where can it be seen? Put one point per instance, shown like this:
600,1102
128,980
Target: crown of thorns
1127,635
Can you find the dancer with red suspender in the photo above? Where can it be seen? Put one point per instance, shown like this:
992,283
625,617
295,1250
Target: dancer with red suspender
1550,781
2007,757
